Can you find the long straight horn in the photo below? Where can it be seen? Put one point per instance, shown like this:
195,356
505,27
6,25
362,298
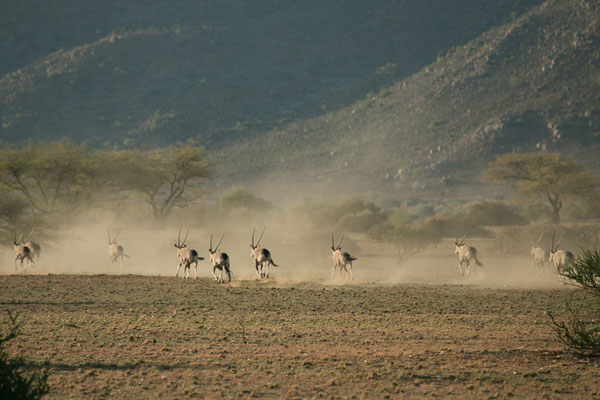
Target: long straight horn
30,234
339,246
109,241
253,231
115,238
179,237
186,235
539,240
332,242
462,240
260,238
210,249
217,248
552,250
560,241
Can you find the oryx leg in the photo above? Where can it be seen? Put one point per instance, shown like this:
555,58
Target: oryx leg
267,263
179,267
349,267
221,275
196,270
215,275
258,269
228,272
333,272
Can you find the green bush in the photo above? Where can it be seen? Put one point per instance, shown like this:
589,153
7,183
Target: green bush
238,198
409,238
15,383
353,215
581,331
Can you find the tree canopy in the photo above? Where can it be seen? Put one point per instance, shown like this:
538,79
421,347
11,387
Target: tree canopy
54,180
545,176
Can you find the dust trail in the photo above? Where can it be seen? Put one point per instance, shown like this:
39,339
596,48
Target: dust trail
303,256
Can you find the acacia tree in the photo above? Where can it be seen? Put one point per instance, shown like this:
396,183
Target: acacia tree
409,238
51,177
547,176
166,178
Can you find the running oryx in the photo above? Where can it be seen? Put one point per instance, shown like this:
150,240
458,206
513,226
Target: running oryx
220,261
186,256
22,253
34,247
262,257
560,258
341,259
465,255
540,256
115,251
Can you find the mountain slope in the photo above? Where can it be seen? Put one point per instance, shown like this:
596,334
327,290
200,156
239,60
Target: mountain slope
148,73
531,84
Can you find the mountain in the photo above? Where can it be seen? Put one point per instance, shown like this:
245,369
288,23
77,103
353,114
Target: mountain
148,73
531,84
400,96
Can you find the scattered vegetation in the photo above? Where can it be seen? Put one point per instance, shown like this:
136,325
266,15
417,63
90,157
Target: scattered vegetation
15,383
409,238
549,176
581,331
352,215
57,180
241,198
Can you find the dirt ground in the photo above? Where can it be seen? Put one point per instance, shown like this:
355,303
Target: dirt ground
131,336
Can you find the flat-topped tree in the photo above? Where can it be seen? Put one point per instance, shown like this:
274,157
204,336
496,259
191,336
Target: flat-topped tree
551,176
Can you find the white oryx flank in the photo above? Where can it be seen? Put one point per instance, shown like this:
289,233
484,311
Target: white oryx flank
560,258
115,252
465,255
186,256
540,256
22,253
220,261
341,259
262,257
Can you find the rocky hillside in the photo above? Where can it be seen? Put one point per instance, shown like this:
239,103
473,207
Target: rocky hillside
147,73
531,84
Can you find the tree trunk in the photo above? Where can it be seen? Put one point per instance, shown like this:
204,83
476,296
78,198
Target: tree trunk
556,204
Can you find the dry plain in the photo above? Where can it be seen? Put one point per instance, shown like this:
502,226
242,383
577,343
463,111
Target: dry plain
132,336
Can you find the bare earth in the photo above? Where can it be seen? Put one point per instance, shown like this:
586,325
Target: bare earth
129,336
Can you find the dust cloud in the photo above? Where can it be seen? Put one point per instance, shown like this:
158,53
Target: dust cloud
303,254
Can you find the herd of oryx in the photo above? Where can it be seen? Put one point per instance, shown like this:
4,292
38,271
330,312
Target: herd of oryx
27,250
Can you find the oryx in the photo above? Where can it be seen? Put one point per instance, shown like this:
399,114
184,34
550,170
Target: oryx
220,261
34,247
115,251
186,256
560,258
22,253
262,257
465,255
540,256
343,260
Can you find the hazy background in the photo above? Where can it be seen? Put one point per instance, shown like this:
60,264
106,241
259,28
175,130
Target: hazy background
377,120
